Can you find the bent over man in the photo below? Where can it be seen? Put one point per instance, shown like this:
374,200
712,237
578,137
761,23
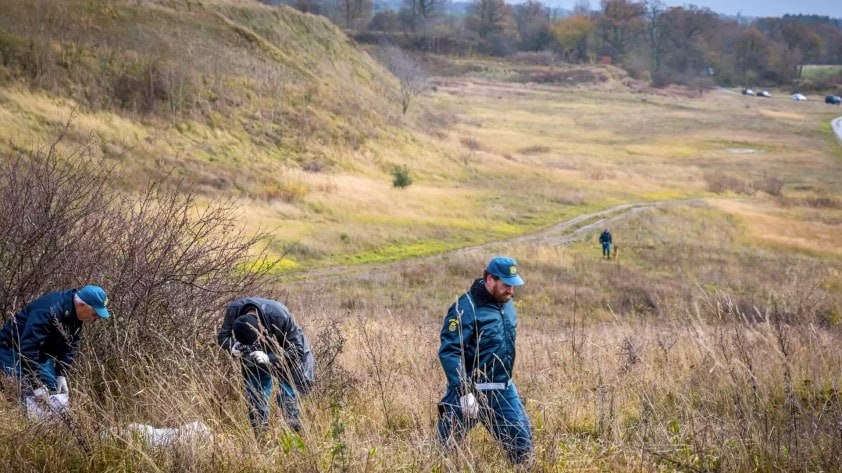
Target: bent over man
477,354
264,336
39,343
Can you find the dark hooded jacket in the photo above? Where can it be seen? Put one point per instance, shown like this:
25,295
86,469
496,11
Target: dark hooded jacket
287,346
46,328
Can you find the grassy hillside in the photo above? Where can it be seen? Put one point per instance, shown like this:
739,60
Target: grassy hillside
710,344
213,81
279,109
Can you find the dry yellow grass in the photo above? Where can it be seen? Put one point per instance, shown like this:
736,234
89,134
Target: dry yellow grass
765,226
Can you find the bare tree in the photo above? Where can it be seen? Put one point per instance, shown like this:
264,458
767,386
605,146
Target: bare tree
355,12
493,16
422,11
413,80
621,24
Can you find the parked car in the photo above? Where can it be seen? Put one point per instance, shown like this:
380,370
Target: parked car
748,92
833,100
799,97
764,93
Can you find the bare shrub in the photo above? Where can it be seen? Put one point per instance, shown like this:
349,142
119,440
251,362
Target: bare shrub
537,149
823,202
718,183
168,263
411,76
138,86
334,381
471,143
770,185
47,207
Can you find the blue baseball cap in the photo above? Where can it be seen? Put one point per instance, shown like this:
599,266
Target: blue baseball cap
505,268
95,297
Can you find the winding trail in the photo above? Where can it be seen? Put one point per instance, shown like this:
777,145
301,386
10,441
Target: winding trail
563,233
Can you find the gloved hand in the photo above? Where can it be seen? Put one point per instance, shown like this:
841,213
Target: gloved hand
260,357
235,350
469,405
61,385
41,394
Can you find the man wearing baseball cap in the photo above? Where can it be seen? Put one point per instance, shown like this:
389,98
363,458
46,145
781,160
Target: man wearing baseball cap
477,354
38,344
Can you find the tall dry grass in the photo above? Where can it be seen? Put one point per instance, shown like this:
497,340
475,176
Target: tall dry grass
711,388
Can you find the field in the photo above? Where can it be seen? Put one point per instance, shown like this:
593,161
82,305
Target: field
710,344
815,71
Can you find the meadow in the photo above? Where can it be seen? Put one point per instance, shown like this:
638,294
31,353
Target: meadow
710,344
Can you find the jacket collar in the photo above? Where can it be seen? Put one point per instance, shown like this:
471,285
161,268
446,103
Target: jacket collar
481,295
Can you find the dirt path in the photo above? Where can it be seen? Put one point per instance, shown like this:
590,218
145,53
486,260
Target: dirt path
563,233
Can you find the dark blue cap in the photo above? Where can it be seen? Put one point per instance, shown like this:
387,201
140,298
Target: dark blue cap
505,268
95,297
246,329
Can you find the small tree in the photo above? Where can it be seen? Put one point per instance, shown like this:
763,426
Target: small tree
413,80
401,177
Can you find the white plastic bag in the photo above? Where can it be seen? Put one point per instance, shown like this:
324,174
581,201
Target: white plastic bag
192,433
52,408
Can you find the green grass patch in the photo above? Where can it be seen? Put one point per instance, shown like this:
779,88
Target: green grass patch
817,71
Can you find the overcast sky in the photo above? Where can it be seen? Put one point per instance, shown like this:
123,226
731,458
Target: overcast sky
832,8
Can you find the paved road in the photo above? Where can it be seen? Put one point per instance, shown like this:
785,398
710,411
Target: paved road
836,124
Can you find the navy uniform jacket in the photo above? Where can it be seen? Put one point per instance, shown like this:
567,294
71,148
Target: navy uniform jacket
46,327
605,237
296,354
478,340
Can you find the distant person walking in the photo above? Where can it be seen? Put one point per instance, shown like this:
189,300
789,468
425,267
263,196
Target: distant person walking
605,240
38,344
477,354
271,345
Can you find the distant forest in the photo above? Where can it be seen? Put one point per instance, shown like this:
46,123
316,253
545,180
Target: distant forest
659,44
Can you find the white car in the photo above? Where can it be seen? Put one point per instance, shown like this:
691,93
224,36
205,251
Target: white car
764,93
799,97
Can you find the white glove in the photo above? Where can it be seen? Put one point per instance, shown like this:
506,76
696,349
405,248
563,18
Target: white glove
235,350
469,405
41,393
260,357
61,385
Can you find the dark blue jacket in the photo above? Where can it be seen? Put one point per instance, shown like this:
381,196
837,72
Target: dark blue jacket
290,351
46,327
478,340
605,237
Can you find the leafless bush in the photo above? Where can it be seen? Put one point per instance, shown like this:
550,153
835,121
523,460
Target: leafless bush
167,263
823,202
630,353
139,86
770,185
47,208
412,78
532,150
334,381
718,183
471,143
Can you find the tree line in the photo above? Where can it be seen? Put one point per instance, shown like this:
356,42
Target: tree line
654,42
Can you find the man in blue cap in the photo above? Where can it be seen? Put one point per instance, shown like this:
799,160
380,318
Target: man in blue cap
477,354
38,344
